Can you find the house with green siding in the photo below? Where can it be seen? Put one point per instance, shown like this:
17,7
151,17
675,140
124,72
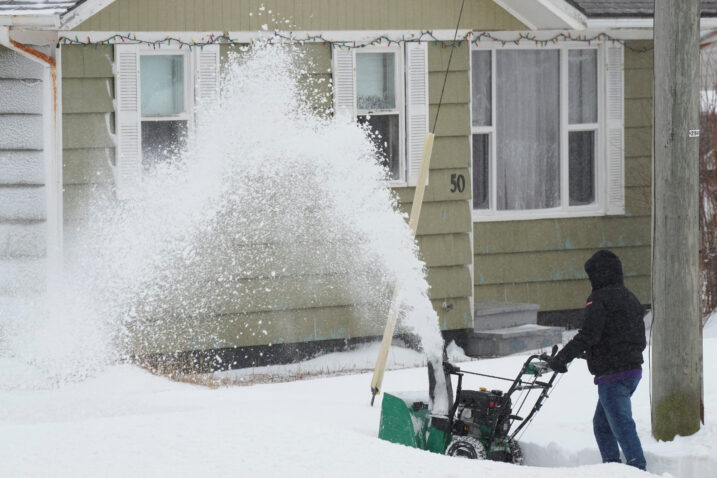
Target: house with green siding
542,153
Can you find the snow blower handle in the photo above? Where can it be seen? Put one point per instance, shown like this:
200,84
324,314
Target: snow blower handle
545,357
450,368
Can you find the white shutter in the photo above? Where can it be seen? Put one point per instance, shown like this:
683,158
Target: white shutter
206,64
615,133
416,107
128,150
343,66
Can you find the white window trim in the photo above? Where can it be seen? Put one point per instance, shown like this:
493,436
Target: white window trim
599,208
189,68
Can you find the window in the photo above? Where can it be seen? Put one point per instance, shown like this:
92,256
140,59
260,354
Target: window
538,132
156,95
164,105
387,89
377,104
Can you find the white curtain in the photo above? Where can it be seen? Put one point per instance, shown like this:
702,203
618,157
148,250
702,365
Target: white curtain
162,81
528,129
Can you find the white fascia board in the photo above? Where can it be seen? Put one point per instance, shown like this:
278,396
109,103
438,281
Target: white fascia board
359,36
633,23
618,23
545,35
542,14
297,36
35,37
82,12
31,21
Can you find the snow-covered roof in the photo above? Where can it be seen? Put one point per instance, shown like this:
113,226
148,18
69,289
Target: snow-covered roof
629,8
37,7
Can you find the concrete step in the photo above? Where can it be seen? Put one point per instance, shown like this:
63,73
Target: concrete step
510,340
492,315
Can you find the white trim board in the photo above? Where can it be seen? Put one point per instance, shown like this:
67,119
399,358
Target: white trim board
359,36
248,36
51,22
617,24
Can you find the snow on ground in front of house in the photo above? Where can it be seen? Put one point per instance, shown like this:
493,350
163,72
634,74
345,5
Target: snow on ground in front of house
127,422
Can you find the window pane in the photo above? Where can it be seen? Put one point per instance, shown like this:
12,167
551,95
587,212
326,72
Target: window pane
528,129
582,72
162,84
481,79
386,138
481,157
375,81
162,141
582,167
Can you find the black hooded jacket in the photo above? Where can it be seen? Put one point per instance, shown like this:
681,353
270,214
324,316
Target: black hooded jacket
613,334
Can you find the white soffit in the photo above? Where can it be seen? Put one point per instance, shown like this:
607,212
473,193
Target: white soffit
544,14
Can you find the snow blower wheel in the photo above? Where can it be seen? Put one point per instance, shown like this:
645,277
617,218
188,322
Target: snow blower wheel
512,455
466,447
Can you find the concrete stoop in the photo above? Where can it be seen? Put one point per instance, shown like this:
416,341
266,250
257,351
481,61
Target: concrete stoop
499,342
504,328
491,315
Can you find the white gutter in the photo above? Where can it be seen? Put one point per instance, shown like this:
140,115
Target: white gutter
706,23
30,21
52,143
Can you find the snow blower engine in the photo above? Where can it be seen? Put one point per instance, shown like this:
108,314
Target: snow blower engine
482,424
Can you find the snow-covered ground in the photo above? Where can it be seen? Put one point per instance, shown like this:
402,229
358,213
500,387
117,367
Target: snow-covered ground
126,422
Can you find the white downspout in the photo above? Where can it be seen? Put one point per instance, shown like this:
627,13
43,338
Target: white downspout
52,114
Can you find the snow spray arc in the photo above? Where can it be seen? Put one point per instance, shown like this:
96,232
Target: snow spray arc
271,205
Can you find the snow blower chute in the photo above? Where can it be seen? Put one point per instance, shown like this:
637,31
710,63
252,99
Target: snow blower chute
482,424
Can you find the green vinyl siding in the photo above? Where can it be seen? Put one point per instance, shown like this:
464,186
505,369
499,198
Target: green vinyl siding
87,127
312,302
554,295
324,15
450,152
278,327
444,227
541,261
439,187
543,266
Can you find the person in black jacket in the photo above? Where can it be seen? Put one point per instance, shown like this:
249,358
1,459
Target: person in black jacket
612,340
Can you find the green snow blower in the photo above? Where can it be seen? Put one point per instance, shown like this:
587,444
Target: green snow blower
482,424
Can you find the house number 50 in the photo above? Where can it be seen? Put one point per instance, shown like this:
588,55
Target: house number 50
458,183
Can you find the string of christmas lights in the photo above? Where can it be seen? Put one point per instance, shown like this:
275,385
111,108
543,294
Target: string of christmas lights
278,37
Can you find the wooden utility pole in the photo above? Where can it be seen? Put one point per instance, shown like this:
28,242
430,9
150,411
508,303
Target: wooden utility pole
676,325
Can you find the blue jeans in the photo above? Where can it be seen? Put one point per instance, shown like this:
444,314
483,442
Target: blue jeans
613,423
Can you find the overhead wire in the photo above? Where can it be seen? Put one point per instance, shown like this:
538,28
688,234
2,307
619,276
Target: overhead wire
448,68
